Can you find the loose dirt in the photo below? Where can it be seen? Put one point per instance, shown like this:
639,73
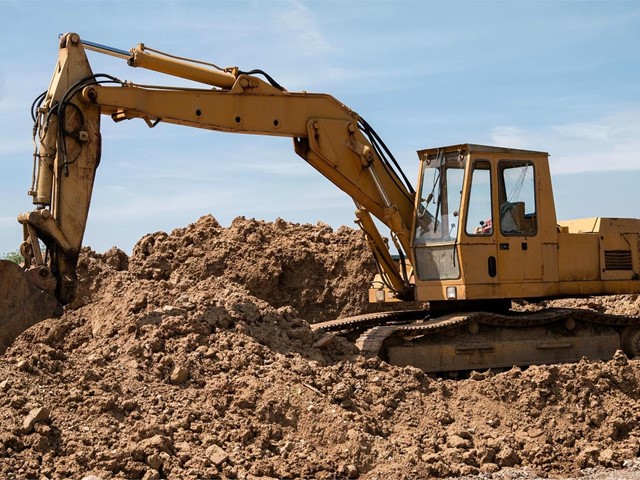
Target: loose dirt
193,358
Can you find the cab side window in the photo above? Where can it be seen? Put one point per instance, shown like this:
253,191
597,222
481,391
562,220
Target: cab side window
517,198
479,216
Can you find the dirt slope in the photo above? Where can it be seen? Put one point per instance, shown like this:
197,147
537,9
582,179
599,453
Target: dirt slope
193,358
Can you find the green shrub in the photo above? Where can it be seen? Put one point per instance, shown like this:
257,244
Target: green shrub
14,257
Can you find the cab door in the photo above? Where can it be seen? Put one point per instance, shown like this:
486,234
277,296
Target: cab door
519,249
478,245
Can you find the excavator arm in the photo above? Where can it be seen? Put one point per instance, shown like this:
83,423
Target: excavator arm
328,135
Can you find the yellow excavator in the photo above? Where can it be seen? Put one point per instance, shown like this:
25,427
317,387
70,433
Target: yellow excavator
479,231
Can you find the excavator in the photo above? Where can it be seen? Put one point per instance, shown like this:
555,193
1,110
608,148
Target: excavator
479,231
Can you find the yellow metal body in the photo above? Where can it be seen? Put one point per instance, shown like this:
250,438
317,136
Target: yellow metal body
198,72
69,154
543,258
482,226
328,135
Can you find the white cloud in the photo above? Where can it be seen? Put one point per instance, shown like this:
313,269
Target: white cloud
298,26
514,137
8,221
611,142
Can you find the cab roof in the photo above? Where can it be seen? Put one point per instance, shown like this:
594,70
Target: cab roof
475,148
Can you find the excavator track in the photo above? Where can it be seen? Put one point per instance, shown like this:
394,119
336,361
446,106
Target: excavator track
483,340
369,320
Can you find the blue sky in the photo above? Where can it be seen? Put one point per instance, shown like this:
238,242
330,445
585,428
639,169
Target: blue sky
562,77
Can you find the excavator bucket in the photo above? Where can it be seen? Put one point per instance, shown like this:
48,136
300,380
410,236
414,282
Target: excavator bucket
22,304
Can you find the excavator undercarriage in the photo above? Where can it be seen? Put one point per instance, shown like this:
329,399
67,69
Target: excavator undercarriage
461,342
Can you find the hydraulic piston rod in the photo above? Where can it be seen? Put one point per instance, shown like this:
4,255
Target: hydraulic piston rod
114,52
143,57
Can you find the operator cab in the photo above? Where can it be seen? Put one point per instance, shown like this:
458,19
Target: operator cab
482,216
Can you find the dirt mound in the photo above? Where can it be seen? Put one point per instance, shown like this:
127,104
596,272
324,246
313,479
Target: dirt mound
319,272
193,358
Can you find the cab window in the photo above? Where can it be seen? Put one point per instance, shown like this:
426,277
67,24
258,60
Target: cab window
517,198
479,216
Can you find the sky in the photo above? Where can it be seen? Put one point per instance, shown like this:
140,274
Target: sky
557,76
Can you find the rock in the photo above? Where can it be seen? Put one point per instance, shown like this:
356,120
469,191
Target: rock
486,455
210,353
183,451
173,311
91,477
154,461
619,358
138,303
23,365
186,303
489,468
129,405
43,429
414,372
352,471
151,318
157,442
430,458
569,441
494,422
116,259
179,375
507,457
325,340
607,457
588,457
36,415
479,375
217,455
5,385
151,475
341,392
456,441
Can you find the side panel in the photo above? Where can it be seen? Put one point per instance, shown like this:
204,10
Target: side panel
599,249
578,257
479,263
550,262
619,248
519,259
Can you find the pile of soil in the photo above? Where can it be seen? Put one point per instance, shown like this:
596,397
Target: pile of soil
193,358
